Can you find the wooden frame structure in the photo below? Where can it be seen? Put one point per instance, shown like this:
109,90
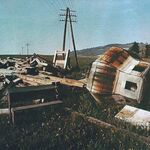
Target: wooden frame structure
27,94
61,59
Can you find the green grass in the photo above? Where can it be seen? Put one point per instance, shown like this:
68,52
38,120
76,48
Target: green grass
54,128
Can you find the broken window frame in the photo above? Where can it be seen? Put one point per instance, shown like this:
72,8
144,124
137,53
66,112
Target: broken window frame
131,86
139,68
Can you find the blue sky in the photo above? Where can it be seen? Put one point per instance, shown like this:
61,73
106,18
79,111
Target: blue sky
99,22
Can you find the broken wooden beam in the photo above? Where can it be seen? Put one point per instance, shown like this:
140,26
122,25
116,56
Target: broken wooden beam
43,79
21,98
4,111
17,90
36,105
17,95
137,117
22,108
101,124
31,83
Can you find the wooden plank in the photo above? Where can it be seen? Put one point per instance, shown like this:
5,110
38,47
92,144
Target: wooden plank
60,63
49,79
9,105
36,105
61,52
4,111
31,83
103,125
135,116
12,115
63,62
54,58
66,59
30,88
15,109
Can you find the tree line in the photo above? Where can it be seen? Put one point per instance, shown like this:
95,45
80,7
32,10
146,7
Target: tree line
143,52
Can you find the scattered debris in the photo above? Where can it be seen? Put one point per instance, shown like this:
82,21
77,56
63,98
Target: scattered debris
32,71
4,111
135,116
28,83
23,98
103,125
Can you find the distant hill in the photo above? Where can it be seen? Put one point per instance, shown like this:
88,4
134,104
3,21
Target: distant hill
94,51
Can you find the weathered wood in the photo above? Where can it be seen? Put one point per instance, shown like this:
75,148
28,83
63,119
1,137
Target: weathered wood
9,105
4,111
27,94
31,83
37,105
30,88
51,79
101,124
63,63
22,108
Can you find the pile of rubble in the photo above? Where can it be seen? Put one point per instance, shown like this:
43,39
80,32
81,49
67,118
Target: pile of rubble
12,68
30,83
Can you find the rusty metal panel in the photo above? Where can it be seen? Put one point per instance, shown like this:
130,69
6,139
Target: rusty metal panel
115,56
99,81
135,116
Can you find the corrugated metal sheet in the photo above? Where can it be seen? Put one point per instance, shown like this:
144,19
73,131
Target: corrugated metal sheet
135,116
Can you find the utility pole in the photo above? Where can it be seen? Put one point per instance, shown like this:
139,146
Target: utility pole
27,48
68,18
65,28
22,50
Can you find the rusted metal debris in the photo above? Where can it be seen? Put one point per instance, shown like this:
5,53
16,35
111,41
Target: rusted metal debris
116,72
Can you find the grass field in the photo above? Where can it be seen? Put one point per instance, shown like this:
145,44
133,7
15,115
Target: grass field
57,129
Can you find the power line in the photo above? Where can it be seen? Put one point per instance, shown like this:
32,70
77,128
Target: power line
61,3
46,2
65,3
53,5
69,3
